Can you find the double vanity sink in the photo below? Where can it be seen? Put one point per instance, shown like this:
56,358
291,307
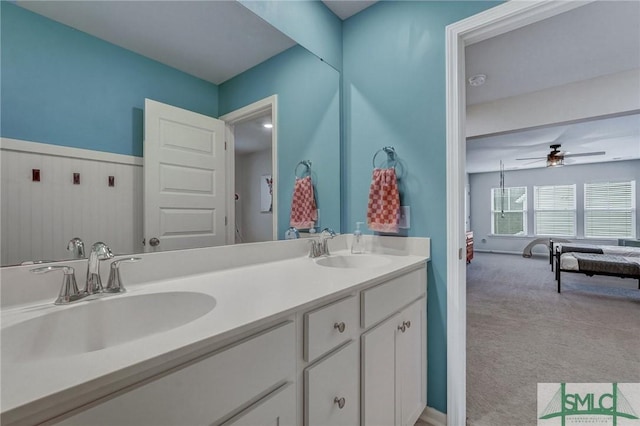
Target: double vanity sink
102,323
56,359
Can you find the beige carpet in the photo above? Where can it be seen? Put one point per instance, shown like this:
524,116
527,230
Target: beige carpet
521,332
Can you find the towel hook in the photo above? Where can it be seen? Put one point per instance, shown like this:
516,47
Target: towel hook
305,163
391,156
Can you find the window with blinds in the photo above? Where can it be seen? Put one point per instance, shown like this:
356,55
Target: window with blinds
509,211
609,210
554,210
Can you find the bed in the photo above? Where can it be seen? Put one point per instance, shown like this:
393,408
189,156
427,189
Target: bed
616,261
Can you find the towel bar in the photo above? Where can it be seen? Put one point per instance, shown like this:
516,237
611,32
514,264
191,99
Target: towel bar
307,164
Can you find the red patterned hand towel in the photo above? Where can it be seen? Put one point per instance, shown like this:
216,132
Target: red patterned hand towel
383,212
303,204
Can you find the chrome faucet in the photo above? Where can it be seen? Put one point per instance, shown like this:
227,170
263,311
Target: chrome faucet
320,247
99,251
69,291
76,247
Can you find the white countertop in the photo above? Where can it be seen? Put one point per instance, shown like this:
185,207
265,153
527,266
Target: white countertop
246,297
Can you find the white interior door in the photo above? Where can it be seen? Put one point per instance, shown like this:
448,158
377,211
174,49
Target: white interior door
184,179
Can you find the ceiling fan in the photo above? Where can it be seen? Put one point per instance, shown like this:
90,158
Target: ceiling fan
556,157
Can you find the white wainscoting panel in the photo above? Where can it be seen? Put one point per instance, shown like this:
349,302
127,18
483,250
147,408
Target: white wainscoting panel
39,218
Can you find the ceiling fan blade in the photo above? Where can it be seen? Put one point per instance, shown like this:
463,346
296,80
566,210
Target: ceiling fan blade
532,158
585,154
533,162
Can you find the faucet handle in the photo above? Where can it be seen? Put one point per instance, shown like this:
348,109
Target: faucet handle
114,285
330,231
69,291
76,247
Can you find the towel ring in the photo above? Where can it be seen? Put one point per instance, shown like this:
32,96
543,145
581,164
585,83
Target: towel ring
391,156
305,163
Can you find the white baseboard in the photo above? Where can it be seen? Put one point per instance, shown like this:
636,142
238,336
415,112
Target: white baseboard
434,417
546,254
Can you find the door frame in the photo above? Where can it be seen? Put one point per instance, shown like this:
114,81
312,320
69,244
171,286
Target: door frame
490,23
231,119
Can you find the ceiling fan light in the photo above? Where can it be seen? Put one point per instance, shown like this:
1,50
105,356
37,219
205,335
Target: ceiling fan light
555,161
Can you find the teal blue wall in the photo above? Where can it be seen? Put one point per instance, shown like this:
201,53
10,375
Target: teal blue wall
64,87
308,124
394,94
310,23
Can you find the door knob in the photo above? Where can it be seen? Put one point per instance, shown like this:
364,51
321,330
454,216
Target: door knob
154,242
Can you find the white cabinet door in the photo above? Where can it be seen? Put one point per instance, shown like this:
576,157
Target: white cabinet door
205,391
276,409
331,389
378,374
411,345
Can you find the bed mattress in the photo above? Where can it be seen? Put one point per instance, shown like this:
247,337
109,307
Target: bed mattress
600,263
624,251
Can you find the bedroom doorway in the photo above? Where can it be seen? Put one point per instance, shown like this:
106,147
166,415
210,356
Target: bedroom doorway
250,121
493,22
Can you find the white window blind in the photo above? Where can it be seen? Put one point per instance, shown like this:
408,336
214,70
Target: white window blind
509,211
609,210
554,210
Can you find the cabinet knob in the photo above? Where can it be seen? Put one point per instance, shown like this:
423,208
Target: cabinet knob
340,402
340,326
408,323
154,242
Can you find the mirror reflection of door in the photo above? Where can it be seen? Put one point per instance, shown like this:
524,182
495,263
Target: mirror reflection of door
253,180
184,179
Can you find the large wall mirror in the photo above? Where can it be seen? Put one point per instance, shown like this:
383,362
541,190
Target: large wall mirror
75,76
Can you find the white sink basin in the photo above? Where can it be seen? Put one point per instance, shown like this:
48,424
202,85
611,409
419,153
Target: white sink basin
98,324
353,261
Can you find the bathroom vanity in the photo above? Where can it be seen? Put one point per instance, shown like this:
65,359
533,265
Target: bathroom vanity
262,335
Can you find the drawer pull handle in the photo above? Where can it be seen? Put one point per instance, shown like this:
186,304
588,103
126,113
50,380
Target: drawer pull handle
340,402
340,326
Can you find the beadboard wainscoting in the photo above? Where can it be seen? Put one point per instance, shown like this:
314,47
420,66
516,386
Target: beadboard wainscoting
39,218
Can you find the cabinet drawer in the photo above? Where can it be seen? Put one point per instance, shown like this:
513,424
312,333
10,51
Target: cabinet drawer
206,390
330,383
383,300
322,327
276,409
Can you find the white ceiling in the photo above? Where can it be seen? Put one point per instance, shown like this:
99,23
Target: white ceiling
252,136
212,40
593,40
619,137
346,8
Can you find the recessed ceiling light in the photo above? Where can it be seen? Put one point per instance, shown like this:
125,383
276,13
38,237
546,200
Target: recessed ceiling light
477,80
268,125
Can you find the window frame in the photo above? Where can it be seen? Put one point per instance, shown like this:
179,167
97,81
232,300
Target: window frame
574,210
632,210
524,211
